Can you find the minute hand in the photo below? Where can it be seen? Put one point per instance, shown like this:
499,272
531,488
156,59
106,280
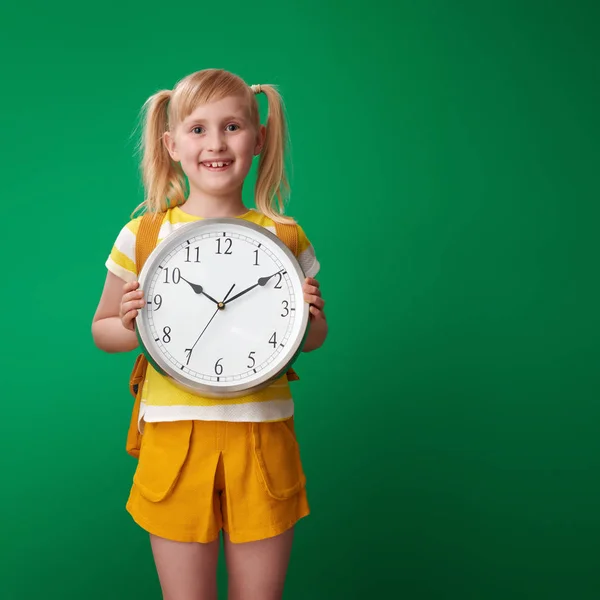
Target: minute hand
262,281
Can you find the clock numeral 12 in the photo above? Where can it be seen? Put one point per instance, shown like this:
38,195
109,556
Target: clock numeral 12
228,249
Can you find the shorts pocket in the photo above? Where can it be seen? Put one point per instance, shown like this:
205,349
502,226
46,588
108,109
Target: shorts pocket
163,451
277,455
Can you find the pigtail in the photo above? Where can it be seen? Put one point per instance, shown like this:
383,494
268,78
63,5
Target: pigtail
164,180
272,184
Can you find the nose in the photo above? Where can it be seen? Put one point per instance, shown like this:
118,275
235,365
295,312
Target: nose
216,142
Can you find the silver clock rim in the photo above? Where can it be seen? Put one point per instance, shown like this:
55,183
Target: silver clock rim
163,366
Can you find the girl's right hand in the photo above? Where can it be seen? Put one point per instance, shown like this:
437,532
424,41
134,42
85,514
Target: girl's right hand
132,301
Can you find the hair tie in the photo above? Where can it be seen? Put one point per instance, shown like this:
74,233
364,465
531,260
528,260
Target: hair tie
256,89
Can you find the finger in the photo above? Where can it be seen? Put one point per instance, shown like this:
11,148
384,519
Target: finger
137,303
311,289
136,295
130,314
315,301
131,306
130,286
317,313
312,281
128,318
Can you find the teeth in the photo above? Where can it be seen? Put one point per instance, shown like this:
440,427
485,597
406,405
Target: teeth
215,165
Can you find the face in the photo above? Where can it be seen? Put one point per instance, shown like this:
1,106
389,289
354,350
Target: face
215,146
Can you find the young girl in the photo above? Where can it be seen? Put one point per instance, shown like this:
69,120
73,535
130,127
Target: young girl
198,476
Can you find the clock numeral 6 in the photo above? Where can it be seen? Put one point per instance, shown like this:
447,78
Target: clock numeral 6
176,275
167,334
251,357
219,367
228,249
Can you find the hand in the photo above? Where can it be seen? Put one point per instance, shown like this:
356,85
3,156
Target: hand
262,282
131,303
312,295
199,290
220,307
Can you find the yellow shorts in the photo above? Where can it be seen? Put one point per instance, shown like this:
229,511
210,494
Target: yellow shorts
195,478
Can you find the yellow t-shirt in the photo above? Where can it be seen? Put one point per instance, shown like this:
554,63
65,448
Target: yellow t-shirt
161,399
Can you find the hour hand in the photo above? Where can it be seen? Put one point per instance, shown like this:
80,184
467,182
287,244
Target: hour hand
199,290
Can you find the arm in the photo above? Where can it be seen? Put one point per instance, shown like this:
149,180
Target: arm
113,323
318,324
316,335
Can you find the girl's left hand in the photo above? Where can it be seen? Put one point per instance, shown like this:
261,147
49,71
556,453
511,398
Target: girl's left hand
312,295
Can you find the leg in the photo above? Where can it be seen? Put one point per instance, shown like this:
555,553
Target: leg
257,570
187,571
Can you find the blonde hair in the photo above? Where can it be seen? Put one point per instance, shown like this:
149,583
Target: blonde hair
164,179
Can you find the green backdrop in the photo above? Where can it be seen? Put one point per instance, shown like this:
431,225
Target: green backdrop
445,161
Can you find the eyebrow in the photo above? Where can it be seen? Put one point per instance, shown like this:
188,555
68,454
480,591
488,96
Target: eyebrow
190,120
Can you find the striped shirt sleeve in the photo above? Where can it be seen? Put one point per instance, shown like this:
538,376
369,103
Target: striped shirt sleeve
306,255
121,260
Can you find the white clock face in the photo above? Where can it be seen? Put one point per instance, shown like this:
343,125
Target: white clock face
225,311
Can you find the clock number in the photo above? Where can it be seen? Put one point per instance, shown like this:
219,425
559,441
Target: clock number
278,284
176,277
197,249
251,357
256,259
273,339
167,334
228,250
188,351
218,367
157,301
285,308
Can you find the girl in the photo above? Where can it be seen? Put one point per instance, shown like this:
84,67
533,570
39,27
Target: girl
198,476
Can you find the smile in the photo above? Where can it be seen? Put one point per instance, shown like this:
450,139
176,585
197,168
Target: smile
216,165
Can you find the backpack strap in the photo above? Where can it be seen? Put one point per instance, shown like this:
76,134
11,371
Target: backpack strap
146,238
145,242
288,234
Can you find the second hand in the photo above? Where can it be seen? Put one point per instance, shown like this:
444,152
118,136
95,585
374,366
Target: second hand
221,305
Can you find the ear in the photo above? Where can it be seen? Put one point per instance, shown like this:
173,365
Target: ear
260,140
169,143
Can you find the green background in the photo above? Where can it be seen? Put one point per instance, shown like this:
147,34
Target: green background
445,162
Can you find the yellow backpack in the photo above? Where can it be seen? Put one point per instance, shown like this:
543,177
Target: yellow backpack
146,240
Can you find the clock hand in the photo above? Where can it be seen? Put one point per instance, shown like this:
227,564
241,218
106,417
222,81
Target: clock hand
262,282
199,290
221,305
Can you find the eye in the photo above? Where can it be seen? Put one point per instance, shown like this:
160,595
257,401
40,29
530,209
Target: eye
198,127
232,127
